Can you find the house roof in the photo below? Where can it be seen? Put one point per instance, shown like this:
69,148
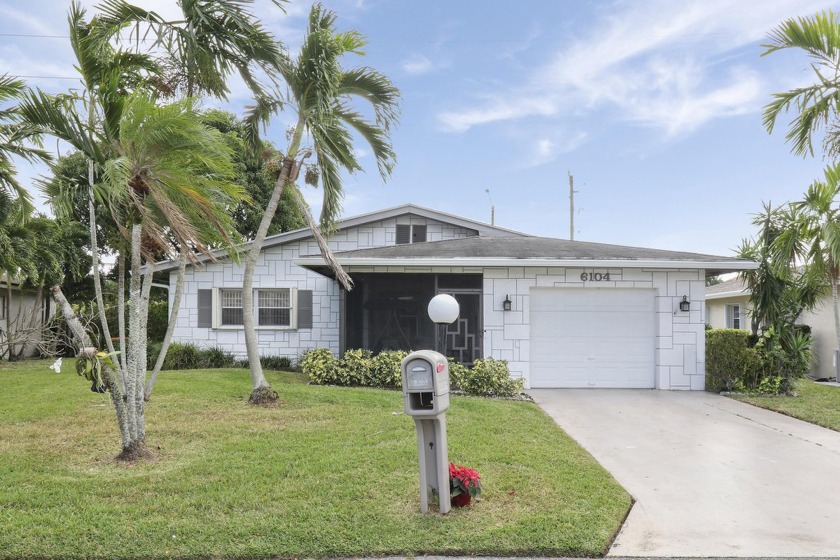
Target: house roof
730,288
527,251
483,229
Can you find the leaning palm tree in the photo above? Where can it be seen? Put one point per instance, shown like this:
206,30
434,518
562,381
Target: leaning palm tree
817,104
320,91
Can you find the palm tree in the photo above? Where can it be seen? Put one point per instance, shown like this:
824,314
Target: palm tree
320,92
16,138
817,104
818,226
210,41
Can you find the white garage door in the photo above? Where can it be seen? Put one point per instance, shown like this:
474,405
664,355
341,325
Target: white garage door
592,337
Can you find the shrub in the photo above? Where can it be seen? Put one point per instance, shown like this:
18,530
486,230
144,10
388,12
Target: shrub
386,370
320,365
215,357
729,359
182,355
490,378
277,363
354,368
457,373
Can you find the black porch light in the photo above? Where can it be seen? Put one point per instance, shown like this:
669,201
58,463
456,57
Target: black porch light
685,305
507,303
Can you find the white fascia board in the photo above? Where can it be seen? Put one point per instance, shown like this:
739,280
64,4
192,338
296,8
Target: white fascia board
721,295
506,262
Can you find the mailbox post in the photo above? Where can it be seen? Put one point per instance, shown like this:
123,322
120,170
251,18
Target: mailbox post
425,381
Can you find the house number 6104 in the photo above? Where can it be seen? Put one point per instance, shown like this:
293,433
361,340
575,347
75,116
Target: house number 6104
595,277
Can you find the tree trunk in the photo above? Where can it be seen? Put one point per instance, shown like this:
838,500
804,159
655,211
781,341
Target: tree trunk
9,322
262,391
83,341
134,310
835,276
173,318
121,307
143,341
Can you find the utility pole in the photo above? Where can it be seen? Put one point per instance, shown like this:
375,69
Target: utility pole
492,208
572,192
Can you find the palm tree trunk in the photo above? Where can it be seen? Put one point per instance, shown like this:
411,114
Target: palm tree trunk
121,307
134,308
83,341
173,318
9,322
260,385
139,397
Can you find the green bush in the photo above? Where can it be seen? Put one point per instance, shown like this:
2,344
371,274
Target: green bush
215,357
729,359
277,363
386,370
490,378
354,368
320,366
182,355
457,373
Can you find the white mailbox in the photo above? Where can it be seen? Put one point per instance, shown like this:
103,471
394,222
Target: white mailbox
425,379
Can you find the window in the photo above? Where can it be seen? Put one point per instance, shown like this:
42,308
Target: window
2,307
733,316
274,308
410,234
231,303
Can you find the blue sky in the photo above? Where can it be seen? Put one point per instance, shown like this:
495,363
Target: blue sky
653,106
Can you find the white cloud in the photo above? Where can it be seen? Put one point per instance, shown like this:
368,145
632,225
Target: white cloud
658,63
547,150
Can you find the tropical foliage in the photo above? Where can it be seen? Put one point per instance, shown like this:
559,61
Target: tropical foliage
320,92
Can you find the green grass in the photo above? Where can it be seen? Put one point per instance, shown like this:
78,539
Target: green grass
815,403
330,472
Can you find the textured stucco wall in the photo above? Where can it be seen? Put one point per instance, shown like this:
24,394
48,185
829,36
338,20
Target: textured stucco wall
275,270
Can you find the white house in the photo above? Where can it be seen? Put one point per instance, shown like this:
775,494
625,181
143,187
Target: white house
562,313
22,317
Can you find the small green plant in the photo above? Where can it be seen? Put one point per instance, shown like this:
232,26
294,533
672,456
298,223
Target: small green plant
216,357
354,368
464,484
385,369
491,378
457,373
182,355
277,363
320,365
772,385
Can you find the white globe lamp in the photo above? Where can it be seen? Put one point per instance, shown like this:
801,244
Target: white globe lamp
443,309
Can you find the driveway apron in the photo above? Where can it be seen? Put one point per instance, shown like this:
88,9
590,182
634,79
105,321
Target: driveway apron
711,476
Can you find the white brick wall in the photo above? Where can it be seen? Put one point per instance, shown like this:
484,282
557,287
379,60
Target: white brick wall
275,269
680,337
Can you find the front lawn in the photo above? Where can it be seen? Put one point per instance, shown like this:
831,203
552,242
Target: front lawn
330,472
815,403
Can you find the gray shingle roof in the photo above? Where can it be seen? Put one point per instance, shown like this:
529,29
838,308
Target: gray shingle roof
527,248
735,285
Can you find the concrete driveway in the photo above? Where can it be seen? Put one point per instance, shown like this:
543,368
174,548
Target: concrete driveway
711,476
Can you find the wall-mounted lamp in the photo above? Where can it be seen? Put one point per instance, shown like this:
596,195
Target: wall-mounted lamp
685,305
507,303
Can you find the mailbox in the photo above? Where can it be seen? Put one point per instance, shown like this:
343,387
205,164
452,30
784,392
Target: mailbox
425,379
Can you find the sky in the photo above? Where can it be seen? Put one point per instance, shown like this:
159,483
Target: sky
653,106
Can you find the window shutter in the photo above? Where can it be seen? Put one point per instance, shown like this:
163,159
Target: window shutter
304,310
418,234
205,308
403,234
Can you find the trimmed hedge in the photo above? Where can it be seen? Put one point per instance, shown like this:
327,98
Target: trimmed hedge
487,378
731,361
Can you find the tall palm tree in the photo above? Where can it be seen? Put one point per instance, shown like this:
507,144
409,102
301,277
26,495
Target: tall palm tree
817,104
320,92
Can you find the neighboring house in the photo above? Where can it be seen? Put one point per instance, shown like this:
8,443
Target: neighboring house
578,314
727,306
16,313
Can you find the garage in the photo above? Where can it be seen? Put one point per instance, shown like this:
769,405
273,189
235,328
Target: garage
592,337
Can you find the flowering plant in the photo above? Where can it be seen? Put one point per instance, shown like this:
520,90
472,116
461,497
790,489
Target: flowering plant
463,481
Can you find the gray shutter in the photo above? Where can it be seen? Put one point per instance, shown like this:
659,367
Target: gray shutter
304,310
205,308
403,234
418,234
